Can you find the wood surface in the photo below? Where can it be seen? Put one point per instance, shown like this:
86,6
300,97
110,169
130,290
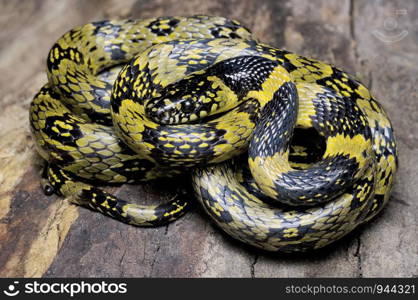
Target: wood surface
47,236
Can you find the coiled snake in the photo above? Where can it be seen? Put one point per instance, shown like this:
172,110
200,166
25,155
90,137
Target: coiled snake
133,100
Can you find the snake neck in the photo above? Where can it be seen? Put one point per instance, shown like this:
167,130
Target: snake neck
273,132
269,157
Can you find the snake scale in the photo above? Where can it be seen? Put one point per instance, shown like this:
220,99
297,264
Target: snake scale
286,153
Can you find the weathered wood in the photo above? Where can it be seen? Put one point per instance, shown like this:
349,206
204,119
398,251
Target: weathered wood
47,236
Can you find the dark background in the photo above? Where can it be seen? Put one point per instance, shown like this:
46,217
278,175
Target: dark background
47,236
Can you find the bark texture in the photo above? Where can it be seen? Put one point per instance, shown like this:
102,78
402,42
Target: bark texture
47,236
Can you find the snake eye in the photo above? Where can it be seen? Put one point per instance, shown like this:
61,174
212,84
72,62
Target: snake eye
48,190
187,106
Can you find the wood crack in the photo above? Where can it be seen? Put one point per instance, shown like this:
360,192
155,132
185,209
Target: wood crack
158,250
254,262
359,258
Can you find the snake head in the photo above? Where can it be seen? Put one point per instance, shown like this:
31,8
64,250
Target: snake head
173,111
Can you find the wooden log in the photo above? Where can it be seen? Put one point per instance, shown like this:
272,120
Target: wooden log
47,236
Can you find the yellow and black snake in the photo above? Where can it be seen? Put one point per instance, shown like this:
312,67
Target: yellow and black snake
287,153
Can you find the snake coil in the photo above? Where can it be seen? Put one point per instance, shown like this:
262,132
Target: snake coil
286,153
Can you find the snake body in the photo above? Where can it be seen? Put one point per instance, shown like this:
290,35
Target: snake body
134,100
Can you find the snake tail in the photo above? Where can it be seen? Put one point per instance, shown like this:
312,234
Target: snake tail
84,194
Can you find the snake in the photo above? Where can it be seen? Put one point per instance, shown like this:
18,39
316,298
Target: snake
285,153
